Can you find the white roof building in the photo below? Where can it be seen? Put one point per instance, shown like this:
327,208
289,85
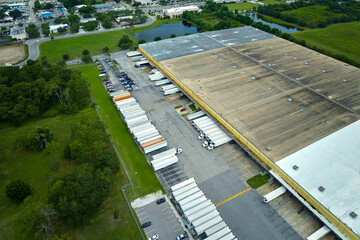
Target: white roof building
178,11
19,33
54,28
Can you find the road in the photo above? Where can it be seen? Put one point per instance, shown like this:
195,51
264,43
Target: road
31,10
34,51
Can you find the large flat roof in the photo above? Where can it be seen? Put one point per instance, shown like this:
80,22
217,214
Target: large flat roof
319,165
280,95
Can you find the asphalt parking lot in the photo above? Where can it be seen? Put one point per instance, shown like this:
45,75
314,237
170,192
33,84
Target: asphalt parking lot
163,220
221,173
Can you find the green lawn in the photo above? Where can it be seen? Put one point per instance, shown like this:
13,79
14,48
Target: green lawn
311,15
258,180
32,167
280,22
341,38
241,6
54,49
145,181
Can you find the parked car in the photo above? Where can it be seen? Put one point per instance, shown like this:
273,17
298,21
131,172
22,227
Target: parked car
154,237
182,236
147,224
161,200
183,109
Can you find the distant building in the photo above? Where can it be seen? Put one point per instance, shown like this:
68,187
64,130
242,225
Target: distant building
19,33
85,20
123,19
172,12
54,28
16,5
45,14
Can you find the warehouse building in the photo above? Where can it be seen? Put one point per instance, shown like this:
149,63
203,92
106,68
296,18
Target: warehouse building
172,12
295,110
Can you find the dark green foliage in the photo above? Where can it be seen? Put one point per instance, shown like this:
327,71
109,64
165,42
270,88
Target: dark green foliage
86,58
33,32
29,91
58,20
45,29
74,28
136,4
17,191
107,160
106,23
315,13
85,52
106,49
61,29
141,41
78,196
90,26
37,6
173,36
74,19
101,16
38,140
87,9
15,14
66,57
158,38
125,42
48,6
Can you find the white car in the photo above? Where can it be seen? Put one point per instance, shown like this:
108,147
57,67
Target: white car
155,237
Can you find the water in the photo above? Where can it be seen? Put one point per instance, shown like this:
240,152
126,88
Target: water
165,31
254,17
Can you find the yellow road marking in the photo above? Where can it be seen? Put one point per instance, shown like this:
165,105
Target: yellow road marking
236,195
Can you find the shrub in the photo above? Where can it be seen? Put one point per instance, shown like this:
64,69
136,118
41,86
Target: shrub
17,191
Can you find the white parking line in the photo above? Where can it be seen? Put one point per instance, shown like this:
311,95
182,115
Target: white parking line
148,232
175,225
174,220
139,214
165,208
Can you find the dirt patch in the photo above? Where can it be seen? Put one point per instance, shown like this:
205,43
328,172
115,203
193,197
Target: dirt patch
11,54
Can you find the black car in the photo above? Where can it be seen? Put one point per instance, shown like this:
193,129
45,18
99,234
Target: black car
160,201
147,224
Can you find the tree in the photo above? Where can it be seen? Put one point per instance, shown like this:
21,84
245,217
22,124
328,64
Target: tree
173,36
138,12
158,38
17,191
58,20
15,14
44,223
37,6
61,29
53,149
86,59
105,49
33,32
48,6
106,24
141,41
66,57
125,42
74,28
45,29
85,52
136,4
62,237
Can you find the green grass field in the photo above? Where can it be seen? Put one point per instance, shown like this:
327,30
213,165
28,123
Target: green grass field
249,6
280,22
341,38
32,167
54,49
258,180
313,14
145,181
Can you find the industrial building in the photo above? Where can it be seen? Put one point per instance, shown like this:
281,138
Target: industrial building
295,110
172,12
18,33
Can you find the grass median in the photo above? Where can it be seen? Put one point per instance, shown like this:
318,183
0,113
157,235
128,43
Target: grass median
141,174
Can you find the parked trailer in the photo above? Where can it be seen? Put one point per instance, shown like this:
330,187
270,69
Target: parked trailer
274,194
205,124
184,189
162,82
222,141
162,159
136,129
215,228
118,93
138,123
195,115
211,130
190,198
188,193
145,131
115,99
134,114
167,87
151,141
205,218
125,104
142,63
147,137
171,91
138,119
199,119
203,212
155,147
135,59
193,203
209,224
182,184
163,164
146,134
130,110
156,76
133,53
198,207
229,236
102,75
319,234
216,137
219,234
122,103
167,152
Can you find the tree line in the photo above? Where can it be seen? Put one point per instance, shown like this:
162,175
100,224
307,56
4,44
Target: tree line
30,91
335,12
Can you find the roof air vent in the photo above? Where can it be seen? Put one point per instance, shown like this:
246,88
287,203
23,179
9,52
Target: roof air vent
285,54
324,71
246,53
297,79
234,67
302,107
317,53
295,58
344,80
295,167
357,86
289,100
346,64
321,189
253,78
269,65
306,63
268,148
271,48
353,214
